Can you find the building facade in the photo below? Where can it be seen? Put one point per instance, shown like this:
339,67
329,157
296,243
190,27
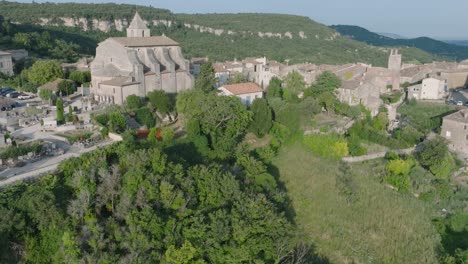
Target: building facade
429,89
455,130
247,92
138,64
6,63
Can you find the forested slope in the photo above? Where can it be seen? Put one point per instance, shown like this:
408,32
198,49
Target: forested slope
424,43
218,36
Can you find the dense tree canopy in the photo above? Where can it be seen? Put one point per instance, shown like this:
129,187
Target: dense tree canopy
137,206
223,119
44,71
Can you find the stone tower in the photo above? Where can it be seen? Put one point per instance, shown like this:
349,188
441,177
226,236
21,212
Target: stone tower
394,60
138,28
394,64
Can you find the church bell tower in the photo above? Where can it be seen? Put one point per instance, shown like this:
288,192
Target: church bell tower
138,28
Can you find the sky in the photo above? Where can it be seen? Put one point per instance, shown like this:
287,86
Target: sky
441,19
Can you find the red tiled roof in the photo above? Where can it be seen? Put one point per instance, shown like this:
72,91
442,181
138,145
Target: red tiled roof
243,88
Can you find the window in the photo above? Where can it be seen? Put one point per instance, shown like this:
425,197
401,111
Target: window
448,134
466,137
247,100
1,65
464,127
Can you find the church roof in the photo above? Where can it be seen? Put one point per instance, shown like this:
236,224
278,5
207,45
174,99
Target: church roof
146,41
137,22
108,70
119,81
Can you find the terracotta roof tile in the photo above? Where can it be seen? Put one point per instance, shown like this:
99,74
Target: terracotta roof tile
243,88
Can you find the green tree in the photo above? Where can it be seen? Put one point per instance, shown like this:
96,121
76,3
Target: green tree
274,89
222,118
294,82
262,117
65,51
133,102
117,122
60,115
80,77
327,82
206,80
66,87
44,71
70,114
432,152
161,101
145,117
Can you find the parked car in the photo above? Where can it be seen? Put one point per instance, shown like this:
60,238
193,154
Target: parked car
24,96
6,91
13,94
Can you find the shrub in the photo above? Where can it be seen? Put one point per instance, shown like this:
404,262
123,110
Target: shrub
355,148
17,151
399,166
104,131
399,181
289,116
443,168
145,117
327,146
280,132
102,119
266,154
398,173
133,102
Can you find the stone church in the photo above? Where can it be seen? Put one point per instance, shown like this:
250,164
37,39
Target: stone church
138,64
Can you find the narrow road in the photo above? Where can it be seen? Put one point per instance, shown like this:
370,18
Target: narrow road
49,165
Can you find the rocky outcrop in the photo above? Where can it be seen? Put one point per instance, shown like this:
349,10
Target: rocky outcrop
121,25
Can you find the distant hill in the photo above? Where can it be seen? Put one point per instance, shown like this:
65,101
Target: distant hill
457,42
424,43
218,36
391,35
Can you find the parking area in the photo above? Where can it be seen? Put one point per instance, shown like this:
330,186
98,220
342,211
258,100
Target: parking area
458,97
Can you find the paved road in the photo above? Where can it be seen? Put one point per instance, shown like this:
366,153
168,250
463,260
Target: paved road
42,167
460,95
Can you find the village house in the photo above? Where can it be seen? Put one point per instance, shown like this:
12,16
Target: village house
6,63
195,65
247,92
138,64
430,89
18,54
455,130
51,86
